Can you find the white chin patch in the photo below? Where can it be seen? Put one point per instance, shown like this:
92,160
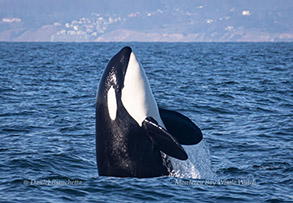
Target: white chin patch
112,103
137,97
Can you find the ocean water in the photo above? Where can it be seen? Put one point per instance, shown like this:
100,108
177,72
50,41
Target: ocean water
239,94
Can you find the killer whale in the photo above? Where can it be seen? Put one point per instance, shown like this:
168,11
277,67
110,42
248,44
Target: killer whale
133,136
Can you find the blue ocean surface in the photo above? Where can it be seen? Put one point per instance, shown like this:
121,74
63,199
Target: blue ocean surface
239,94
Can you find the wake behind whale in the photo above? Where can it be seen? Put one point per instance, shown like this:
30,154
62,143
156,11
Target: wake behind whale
135,138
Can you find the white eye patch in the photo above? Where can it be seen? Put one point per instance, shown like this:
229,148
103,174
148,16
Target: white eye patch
112,103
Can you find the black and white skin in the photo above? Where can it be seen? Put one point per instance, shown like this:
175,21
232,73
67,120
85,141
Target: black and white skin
134,138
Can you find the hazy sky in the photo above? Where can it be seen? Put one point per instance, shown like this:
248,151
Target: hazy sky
208,17
74,9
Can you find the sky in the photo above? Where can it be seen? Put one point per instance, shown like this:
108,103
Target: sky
146,20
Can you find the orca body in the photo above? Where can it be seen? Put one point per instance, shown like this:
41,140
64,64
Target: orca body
133,136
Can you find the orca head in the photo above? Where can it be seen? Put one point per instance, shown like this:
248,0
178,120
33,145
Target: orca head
124,85
114,73
124,79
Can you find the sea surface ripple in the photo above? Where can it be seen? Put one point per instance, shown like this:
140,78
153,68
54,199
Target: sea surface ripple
239,94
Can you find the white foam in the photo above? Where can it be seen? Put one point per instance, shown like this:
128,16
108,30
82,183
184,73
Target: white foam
198,164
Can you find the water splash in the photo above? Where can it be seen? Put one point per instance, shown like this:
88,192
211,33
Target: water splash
198,164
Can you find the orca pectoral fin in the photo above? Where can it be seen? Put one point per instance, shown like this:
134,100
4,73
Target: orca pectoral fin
163,140
181,127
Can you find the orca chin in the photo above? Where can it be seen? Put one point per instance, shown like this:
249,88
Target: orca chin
134,138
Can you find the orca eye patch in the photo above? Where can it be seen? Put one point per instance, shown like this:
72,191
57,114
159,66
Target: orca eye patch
112,103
